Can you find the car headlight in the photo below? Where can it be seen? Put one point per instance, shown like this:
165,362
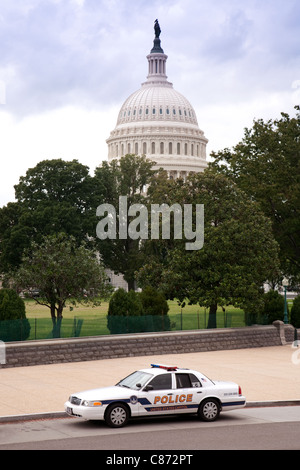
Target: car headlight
91,403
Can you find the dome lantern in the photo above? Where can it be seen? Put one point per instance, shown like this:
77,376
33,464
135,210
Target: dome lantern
157,58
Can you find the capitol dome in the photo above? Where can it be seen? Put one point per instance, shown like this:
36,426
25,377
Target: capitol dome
160,123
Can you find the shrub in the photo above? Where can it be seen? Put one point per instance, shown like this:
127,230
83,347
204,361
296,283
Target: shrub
295,312
154,302
14,325
155,305
124,303
273,307
122,306
132,312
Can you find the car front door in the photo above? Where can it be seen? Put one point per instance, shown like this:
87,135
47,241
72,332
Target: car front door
157,397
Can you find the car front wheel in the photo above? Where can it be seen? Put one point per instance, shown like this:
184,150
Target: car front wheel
117,415
209,410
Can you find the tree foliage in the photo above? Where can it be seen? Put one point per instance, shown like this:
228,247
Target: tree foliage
266,166
238,255
128,177
54,196
15,235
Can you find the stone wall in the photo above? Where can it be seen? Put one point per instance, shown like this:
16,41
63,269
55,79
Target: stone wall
145,344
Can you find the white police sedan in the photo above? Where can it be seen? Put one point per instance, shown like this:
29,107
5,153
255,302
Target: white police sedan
159,390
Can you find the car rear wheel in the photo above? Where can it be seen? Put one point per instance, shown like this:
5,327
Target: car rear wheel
209,410
117,415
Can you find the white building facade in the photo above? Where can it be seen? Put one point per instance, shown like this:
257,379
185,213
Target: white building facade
160,123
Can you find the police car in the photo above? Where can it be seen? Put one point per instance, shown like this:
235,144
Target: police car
159,390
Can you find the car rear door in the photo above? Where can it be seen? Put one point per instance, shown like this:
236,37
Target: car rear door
187,394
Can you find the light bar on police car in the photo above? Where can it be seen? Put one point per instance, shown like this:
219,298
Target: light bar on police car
162,366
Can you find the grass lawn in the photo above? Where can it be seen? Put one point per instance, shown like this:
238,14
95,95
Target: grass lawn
92,321
83,320
34,310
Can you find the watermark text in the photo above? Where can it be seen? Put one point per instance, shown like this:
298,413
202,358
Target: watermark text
135,222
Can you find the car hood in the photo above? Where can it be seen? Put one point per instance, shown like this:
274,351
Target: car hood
105,393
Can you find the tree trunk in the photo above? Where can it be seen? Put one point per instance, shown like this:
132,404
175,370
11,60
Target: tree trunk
212,319
56,321
53,313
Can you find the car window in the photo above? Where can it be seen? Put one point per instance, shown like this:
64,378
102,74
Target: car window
161,382
136,380
195,381
187,381
183,381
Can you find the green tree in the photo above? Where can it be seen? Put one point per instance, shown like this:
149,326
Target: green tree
266,166
54,196
238,255
55,181
128,177
60,270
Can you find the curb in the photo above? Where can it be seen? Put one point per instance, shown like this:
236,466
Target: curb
63,414
261,404
34,417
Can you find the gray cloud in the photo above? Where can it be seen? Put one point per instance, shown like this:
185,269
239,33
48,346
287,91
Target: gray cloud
61,59
92,53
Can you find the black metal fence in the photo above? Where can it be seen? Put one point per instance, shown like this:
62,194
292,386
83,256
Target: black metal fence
43,328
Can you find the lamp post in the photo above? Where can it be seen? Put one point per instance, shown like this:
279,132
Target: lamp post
285,283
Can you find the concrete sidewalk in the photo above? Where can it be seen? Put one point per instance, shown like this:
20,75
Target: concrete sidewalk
265,375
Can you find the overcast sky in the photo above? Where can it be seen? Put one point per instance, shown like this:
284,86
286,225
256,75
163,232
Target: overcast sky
67,66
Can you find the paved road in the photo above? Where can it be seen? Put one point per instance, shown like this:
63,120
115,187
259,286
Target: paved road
254,428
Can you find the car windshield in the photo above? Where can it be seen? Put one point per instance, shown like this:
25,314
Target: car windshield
136,380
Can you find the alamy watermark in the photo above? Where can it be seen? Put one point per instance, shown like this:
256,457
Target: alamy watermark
116,224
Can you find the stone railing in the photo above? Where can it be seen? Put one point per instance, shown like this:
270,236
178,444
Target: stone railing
144,344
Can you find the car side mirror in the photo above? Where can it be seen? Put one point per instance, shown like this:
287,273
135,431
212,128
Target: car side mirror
147,388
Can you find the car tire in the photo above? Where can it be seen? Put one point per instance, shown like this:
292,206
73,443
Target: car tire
117,415
209,409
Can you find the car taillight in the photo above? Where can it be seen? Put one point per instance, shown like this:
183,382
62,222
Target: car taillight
240,391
